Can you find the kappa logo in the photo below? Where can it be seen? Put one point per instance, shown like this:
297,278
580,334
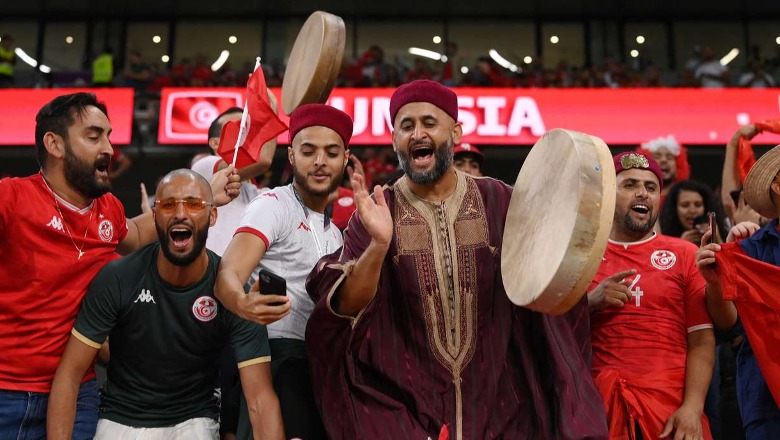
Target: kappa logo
204,308
304,227
145,297
663,259
106,230
55,223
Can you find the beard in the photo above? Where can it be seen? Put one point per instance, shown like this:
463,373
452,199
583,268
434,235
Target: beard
300,179
630,225
443,153
81,174
199,237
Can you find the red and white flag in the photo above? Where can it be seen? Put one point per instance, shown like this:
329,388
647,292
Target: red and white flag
754,286
241,141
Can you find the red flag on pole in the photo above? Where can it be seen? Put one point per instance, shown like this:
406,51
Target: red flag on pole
755,288
745,156
241,141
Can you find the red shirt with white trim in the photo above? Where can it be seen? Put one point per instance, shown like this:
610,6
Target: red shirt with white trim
649,333
42,280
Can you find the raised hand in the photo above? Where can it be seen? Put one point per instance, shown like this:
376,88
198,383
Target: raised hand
612,291
374,214
225,185
145,206
705,258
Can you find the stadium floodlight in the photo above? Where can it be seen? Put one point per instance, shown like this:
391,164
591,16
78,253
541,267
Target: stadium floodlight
729,57
425,53
464,70
640,39
220,61
24,57
503,62
436,39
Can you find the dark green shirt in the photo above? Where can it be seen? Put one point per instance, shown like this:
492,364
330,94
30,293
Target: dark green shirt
165,342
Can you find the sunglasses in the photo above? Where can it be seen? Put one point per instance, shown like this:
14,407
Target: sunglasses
191,204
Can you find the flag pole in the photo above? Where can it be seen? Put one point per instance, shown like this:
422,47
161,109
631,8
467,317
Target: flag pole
244,116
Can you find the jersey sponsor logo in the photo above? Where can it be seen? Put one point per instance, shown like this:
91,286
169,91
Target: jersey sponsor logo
55,223
204,308
663,259
304,227
106,230
145,297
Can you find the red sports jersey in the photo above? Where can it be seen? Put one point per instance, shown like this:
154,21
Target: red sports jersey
640,349
650,333
42,280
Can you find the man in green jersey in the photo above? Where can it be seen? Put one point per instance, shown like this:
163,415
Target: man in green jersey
167,331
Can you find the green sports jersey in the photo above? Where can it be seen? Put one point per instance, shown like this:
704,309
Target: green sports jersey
165,342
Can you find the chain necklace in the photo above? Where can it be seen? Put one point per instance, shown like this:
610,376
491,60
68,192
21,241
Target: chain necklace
67,229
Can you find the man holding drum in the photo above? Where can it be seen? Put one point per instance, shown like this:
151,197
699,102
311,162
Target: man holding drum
653,344
413,335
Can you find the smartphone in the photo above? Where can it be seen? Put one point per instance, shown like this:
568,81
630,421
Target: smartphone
701,220
271,283
735,196
713,225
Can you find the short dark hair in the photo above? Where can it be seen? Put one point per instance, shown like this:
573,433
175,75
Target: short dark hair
58,115
216,127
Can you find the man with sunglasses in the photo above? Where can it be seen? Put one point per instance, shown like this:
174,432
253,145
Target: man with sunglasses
59,227
167,332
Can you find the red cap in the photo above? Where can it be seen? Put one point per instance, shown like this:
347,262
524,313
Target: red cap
424,90
464,148
637,159
321,115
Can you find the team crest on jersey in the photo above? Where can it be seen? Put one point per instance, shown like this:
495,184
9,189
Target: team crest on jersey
106,230
663,259
205,308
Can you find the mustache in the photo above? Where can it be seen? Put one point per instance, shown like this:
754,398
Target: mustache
104,160
422,143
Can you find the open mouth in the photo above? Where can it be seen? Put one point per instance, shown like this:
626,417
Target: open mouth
180,237
640,209
102,164
423,155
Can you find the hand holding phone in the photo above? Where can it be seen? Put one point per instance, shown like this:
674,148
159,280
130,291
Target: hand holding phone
713,226
271,283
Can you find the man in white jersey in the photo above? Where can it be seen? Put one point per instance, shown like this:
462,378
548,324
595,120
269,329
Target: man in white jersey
230,214
286,231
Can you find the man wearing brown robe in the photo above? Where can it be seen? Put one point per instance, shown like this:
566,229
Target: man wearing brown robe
413,335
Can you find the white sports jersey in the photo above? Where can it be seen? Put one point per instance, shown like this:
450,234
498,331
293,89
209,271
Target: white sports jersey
295,238
228,216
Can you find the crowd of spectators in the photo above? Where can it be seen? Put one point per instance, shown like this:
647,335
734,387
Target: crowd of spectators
373,68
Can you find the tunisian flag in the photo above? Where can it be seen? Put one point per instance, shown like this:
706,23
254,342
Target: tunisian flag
755,286
258,125
745,156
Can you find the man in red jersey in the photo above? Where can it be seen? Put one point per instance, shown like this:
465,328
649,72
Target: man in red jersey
653,344
57,229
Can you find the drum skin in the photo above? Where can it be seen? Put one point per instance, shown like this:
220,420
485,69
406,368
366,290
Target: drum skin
559,221
315,61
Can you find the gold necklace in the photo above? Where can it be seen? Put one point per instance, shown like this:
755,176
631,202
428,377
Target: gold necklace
67,229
